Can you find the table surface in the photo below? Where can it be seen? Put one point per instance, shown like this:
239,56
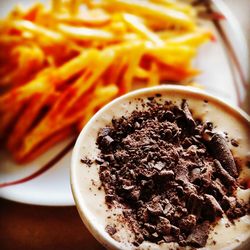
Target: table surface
36,227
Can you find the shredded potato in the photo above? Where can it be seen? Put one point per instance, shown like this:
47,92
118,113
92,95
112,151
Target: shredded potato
60,64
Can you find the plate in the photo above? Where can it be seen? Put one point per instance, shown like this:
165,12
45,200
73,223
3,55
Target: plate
224,70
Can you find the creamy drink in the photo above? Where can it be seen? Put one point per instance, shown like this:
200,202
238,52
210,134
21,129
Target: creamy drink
190,188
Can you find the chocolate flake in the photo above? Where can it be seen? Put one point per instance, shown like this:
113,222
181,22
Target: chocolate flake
199,235
163,226
86,161
110,230
235,143
188,222
212,208
220,150
188,114
194,204
224,175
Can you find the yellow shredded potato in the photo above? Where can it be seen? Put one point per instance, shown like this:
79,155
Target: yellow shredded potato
60,64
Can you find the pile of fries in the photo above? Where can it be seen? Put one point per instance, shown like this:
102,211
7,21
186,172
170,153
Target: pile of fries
60,64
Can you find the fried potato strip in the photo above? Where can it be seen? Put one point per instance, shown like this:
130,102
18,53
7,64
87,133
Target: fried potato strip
60,64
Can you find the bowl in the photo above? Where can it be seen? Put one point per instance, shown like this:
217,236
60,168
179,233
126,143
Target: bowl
85,183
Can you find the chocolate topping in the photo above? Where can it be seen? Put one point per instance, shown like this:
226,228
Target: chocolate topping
172,184
188,114
110,230
220,150
199,235
212,208
224,175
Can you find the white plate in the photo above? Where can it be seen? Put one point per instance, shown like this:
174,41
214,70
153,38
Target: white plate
220,75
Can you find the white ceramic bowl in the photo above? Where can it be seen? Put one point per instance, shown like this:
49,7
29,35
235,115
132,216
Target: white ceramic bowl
85,180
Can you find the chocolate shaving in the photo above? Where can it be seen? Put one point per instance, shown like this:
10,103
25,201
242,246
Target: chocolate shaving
194,204
199,235
188,222
211,207
225,177
216,189
110,230
220,150
188,115
235,143
163,226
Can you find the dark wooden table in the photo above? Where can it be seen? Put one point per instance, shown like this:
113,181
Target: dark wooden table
37,227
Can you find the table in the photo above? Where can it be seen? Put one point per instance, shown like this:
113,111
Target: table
37,227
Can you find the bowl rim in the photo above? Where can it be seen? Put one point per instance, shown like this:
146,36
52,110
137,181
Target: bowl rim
108,242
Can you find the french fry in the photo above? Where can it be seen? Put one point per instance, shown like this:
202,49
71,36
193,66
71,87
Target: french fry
56,6
191,39
8,119
21,94
152,10
117,69
86,34
102,96
16,13
136,24
74,6
141,73
177,5
135,57
6,39
166,34
172,74
95,17
154,78
103,61
21,157
58,66
24,25
28,117
168,54
33,12
73,66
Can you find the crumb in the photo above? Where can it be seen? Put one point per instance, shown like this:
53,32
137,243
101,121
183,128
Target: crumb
86,161
234,143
